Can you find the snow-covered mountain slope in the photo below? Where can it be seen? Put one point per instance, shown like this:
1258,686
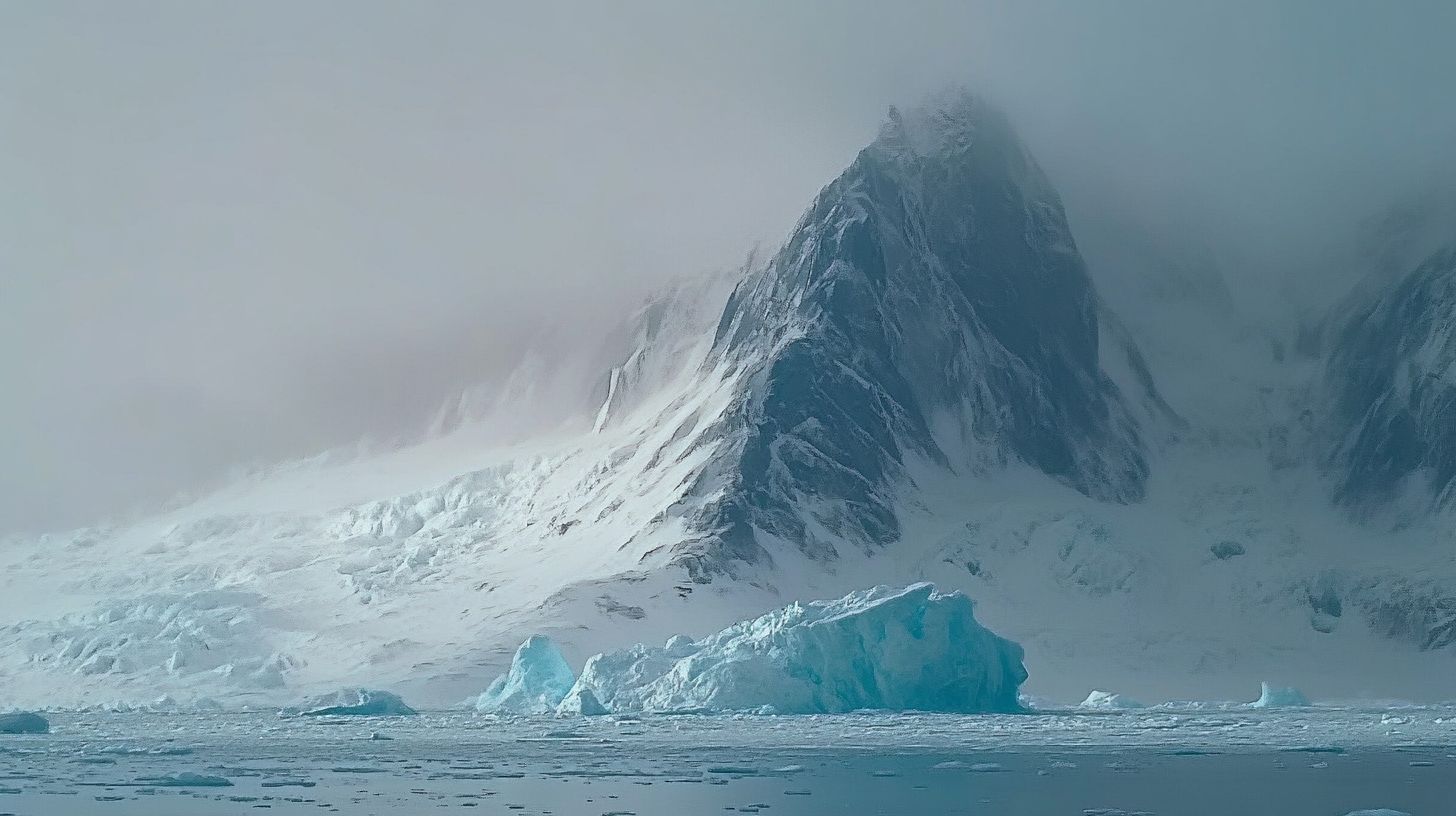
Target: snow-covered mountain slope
923,384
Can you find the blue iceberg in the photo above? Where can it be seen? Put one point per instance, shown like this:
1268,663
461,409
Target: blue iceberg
911,649
537,682
1279,697
359,702
24,722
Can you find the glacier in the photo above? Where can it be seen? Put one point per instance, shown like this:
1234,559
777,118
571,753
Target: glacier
909,649
538,680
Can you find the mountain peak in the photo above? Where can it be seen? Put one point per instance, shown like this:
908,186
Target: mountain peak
930,307
944,123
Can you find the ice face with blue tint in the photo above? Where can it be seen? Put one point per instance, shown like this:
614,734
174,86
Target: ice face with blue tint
23,722
1099,700
910,649
1279,697
536,683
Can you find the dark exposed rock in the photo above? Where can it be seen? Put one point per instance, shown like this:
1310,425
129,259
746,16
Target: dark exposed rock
1392,372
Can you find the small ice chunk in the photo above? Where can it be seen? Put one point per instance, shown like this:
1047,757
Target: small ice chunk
1109,701
359,702
24,722
1279,697
1378,812
536,683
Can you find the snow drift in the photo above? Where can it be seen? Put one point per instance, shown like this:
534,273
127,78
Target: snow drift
911,649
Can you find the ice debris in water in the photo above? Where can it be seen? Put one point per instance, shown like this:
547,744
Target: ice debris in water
1377,812
358,702
911,649
23,722
188,779
1279,697
536,683
1108,701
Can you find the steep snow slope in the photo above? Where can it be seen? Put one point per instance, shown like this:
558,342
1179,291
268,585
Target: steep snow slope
922,385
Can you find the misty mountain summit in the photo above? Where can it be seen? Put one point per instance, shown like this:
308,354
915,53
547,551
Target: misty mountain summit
930,305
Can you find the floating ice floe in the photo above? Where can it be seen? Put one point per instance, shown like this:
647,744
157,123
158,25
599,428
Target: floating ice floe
358,702
188,779
1109,701
1279,697
910,649
24,722
1377,812
537,682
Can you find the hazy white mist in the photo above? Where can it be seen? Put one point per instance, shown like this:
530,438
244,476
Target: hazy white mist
241,232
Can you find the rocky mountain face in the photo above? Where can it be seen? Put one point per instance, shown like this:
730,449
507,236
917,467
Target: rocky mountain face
931,306
1392,370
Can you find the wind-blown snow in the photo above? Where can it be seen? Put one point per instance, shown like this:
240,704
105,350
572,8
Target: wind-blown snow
900,650
538,680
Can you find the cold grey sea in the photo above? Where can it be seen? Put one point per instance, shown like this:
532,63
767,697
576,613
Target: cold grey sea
1283,762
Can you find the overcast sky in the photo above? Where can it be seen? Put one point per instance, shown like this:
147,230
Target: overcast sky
238,231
